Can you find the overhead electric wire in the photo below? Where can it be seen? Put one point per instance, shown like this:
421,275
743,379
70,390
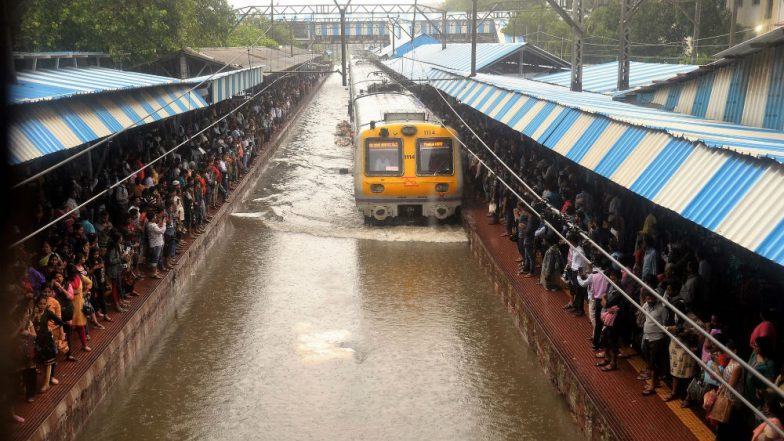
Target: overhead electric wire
612,259
680,314
120,181
134,124
664,301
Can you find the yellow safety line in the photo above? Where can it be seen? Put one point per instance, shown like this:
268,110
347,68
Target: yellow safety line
687,417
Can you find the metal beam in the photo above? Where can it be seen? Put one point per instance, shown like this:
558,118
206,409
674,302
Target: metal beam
575,21
301,10
577,46
633,10
443,30
733,22
440,32
576,27
624,46
473,37
343,39
413,25
695,37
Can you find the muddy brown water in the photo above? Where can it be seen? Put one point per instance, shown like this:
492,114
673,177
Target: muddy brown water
305,324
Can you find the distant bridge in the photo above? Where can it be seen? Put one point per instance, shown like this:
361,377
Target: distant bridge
377,23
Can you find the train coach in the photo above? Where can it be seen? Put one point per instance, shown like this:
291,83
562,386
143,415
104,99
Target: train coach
406,164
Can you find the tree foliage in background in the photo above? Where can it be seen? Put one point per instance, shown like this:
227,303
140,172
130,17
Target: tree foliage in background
542,27
256,31
133,30
660,31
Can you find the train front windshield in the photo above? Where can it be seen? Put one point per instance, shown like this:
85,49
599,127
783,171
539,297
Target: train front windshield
383,157
434,157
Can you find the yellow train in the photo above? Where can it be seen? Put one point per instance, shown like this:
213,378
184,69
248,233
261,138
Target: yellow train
405,163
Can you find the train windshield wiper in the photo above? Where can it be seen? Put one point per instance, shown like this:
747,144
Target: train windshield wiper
443,170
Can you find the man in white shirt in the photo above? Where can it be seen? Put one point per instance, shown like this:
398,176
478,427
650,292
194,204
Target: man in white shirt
576,263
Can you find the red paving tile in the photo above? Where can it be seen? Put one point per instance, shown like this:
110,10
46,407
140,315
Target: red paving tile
630,415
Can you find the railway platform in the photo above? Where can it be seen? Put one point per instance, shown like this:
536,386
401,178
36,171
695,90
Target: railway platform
606,405
59,413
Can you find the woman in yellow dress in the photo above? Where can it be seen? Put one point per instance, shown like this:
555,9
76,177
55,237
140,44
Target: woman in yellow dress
79,322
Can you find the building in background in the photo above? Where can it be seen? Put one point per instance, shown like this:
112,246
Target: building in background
761,15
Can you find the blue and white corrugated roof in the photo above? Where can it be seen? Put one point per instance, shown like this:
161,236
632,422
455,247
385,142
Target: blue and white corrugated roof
457,56
225,85
663,157
42,128
419,40
65,108
745,90
418,63
51,84
603,78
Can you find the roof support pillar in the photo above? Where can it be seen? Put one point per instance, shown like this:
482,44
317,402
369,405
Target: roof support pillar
443,30
695,36
392,29
576,22
184,65
343,43
628,9
577,47
473,37
733,21
624,50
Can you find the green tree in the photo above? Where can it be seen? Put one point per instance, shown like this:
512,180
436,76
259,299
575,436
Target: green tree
660,31
251,33
133,30
542,27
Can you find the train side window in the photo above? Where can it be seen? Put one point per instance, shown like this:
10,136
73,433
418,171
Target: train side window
434,156
383,157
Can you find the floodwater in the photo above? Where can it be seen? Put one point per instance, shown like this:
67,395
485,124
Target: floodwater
306,324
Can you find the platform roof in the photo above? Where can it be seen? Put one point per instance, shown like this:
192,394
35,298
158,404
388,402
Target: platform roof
50,84
689,165
419,40
417,64
59,109
603,78
756,44
225,85
42,128
274,60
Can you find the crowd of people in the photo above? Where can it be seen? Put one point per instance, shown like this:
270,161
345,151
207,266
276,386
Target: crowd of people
70,279
722,289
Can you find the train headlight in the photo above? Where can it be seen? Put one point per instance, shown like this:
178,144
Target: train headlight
377,188
441,188
408,130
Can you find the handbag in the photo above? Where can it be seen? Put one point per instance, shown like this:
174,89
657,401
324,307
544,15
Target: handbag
696,390
491,207
87,308
722,408
62,346
608,316
708,399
